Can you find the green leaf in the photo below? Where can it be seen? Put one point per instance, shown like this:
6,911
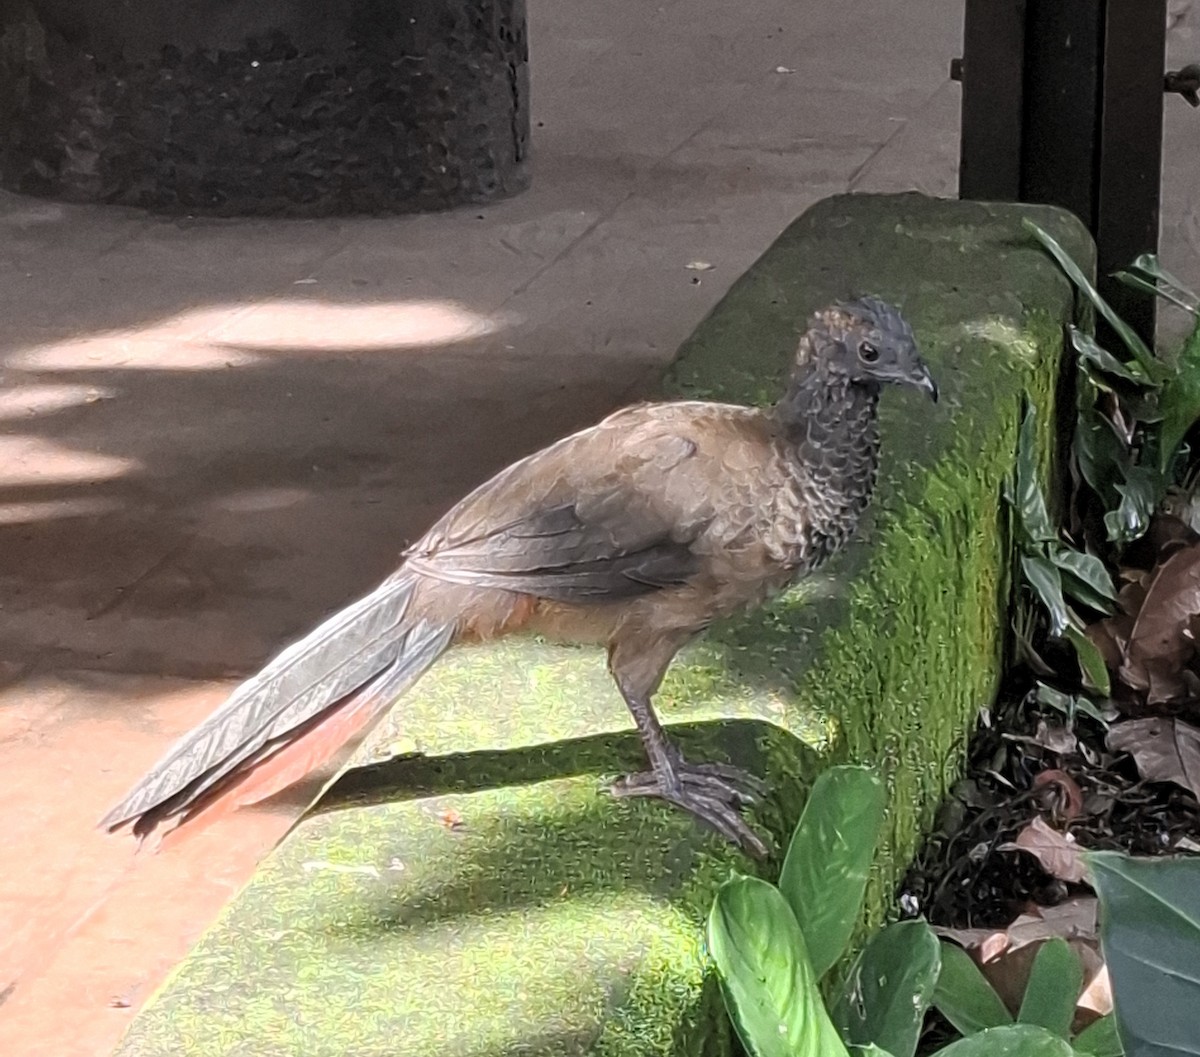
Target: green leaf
1150,938
1046,582
1179,402
1065,703
1138,283
889,988
768,982
1141,492
1015,1040
869,1050
964,996
1055,981
1088,579
825,872
1029,500
1091,662
1099,1039
1069,704
1127,334
1156,279
1102,455
1093,352
1085,567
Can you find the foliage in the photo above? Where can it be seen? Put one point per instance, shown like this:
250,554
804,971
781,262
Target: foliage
771,988
1133,415
829,858
1150,934
1130,456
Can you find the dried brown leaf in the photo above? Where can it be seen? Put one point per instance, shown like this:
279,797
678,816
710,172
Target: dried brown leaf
1060,793
1160,644
1059,855
1073,919
1169,529
1009,973
1164,749
1097,996
1165,535
1109,637
1005,957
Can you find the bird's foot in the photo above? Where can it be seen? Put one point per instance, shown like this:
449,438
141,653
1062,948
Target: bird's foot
714,792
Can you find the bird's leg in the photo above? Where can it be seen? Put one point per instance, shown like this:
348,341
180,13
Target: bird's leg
715,793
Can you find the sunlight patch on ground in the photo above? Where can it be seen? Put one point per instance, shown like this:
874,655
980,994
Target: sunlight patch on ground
36,461
107,353
55,510
235,335
253,500
20,401
322,325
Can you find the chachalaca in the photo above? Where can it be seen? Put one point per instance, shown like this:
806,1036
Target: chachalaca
637,533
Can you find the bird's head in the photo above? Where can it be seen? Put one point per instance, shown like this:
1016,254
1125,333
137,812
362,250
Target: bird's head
869,341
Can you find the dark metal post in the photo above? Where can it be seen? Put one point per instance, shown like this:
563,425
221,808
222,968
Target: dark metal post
1062,104
1129,188
990,157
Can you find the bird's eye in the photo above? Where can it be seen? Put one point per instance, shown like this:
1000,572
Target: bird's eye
867,352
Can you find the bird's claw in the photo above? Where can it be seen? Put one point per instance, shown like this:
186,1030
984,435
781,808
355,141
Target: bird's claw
715,793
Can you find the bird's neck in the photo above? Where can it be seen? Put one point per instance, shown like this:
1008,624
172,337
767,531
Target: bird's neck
829,425
828,410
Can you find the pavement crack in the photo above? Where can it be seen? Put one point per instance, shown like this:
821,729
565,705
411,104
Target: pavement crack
123,593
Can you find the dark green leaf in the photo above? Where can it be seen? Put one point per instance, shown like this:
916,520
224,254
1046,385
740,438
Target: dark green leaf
1141,492
1138,283
1085,567
1015,1040
769,986
1149,264
1179,402
1150,937
1047,695
1081,591
1055,981
1044,578
1087,577
890,987
870,1050
1102,456
825,872
1029,500
964,996
1126,333
1069,704
1099,1039
1142,407
1147,267
1092,351
1091,661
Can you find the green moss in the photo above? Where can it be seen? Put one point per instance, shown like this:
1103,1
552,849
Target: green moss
555,920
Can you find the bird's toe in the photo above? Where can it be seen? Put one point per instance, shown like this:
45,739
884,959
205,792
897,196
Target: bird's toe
713,793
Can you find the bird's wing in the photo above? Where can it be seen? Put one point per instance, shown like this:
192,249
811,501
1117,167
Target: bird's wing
586,519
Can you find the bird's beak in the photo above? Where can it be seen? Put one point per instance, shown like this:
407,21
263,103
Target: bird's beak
923,380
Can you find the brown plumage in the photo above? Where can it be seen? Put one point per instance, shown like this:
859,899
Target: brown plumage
637,533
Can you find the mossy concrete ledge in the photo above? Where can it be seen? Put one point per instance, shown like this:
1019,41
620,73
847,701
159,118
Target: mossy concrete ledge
468,891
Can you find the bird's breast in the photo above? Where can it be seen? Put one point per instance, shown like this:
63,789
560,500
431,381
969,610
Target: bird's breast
818,504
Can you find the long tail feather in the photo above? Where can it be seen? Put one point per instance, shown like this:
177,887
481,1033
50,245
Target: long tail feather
317,749
374,640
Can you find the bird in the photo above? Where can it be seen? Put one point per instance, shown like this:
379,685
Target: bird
636,533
